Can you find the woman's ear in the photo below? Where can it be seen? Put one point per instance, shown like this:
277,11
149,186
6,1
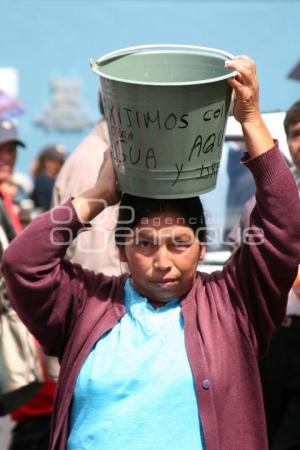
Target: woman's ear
202,252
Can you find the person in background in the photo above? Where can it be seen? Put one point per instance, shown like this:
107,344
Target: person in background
164,357
45,170
32,428
292,128
95,250
9,143
280,370
19,187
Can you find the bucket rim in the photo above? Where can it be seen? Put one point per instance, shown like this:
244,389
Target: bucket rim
162,48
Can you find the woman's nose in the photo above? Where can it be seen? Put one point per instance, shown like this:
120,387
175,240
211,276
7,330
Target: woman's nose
162,260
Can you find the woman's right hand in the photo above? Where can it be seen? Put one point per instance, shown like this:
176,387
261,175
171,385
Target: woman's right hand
106,185
92,202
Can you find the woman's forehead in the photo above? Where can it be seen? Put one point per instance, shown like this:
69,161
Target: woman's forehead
165,218
163,223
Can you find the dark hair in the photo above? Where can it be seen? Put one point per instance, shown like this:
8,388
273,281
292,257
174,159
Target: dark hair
133,209
292,116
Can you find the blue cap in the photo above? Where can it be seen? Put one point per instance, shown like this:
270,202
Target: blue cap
8,133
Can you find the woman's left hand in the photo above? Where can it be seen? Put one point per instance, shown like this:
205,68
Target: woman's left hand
245,86
257,137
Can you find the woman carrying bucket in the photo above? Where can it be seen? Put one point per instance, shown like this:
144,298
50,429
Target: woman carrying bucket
164,357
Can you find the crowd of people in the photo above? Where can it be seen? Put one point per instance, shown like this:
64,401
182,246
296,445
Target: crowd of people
33,418
152,353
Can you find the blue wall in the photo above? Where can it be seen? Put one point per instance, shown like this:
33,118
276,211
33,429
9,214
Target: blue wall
47,38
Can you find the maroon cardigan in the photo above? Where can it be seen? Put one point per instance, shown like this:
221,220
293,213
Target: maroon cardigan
229,315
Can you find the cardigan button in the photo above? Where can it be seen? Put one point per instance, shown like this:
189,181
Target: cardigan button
205,384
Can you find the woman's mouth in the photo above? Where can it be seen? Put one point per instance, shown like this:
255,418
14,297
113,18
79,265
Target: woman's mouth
166,282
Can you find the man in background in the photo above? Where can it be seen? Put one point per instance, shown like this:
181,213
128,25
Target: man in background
9,143
292,129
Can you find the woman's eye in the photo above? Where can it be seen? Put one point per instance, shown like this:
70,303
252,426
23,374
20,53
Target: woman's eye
144,244
181,244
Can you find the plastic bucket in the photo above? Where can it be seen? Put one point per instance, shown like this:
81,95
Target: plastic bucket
166,107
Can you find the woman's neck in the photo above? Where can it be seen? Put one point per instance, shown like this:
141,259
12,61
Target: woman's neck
157,304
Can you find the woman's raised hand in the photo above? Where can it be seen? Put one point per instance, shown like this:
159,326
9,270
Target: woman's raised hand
106,184
92,202
245,86
257,137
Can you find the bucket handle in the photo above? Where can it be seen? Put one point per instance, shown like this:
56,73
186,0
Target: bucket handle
142,48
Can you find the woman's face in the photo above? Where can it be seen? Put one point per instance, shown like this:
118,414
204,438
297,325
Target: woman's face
162,253
52,167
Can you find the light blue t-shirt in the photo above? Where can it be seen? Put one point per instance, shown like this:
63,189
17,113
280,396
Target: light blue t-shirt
135,390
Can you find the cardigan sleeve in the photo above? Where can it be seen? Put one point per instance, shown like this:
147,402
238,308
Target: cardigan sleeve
47,292
261,272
